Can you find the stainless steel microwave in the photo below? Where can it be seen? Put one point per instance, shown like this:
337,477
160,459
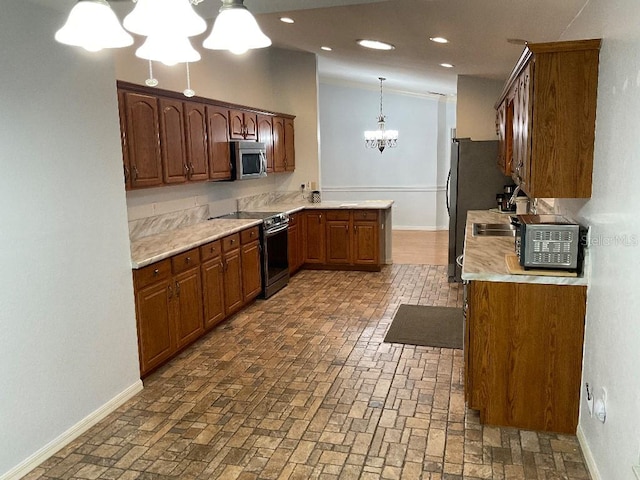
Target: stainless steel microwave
550,241
248,159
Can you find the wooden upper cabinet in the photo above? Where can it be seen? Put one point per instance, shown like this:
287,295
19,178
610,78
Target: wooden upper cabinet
290,155
218,132
279,152
504,129
243,125
172,142
195,125
123,139
555,87
143,139
265,135
283,145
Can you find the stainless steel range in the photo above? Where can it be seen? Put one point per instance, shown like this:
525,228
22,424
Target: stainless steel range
275,253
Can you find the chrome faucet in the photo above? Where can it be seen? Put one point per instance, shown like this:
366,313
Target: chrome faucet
512,200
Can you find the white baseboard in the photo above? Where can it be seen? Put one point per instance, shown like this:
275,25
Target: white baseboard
71,434
588,456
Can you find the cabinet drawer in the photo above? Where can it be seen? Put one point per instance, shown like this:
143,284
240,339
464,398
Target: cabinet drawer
231,242
186,260
249,235
210,250
365,215
338,214
152,273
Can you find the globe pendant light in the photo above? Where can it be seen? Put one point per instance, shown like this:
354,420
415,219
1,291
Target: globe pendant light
156,17
93,26
235,29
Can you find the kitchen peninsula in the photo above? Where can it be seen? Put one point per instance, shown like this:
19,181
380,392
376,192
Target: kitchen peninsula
523,337
189,279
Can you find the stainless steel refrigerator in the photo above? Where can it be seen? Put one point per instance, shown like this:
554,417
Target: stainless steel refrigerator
473,183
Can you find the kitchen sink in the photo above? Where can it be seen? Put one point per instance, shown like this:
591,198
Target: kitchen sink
494,230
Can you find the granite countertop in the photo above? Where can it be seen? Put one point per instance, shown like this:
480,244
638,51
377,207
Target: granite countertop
154,248
484,257
151,249
292,207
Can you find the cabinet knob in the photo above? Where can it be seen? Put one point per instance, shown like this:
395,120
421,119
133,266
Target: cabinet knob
188,260
213,249
233,240
156,272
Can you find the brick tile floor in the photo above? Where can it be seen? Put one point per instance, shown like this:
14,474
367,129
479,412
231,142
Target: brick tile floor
301,386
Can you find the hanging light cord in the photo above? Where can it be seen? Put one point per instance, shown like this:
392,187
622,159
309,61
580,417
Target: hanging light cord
382,79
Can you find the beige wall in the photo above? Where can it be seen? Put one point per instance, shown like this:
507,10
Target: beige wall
475,114
273,79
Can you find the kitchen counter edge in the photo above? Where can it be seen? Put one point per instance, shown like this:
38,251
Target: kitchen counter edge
484,257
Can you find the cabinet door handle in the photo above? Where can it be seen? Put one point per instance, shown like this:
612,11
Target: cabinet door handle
126,174
170,292
135,173
213,250
233,240
186,168
191,169
177,289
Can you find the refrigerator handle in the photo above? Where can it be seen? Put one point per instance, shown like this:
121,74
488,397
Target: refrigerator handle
447,192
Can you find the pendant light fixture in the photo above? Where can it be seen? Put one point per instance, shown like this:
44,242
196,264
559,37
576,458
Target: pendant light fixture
381,137
235,29
93,26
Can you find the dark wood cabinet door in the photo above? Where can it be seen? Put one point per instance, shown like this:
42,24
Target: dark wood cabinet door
243,125
522,128
156,341
233,299
290,153
525,357
172,142
314,237
265,135
218,134
122,111
251,271
188,297
338,242
366,243
250,126
195,122
213,292
279,150
293,241
143,139
236,125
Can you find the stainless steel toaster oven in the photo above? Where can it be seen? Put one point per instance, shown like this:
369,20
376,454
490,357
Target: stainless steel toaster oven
549,241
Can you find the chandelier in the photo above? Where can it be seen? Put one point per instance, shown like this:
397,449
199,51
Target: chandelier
381,138
167,24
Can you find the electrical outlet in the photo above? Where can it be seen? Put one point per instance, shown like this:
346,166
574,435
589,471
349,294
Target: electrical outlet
588,396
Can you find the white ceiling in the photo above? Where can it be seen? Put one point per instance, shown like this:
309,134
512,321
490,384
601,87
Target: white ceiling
477,29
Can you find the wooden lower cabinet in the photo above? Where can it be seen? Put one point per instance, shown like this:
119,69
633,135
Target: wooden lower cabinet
156,341
233,299
251,265
212,271
168,307
523,354
342,239
295,245
314,237
179,298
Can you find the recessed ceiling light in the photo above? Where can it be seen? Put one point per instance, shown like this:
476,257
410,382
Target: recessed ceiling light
446,65
439,39
375,44
326,49
286,20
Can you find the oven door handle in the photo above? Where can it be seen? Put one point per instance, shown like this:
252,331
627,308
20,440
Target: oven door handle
268,233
